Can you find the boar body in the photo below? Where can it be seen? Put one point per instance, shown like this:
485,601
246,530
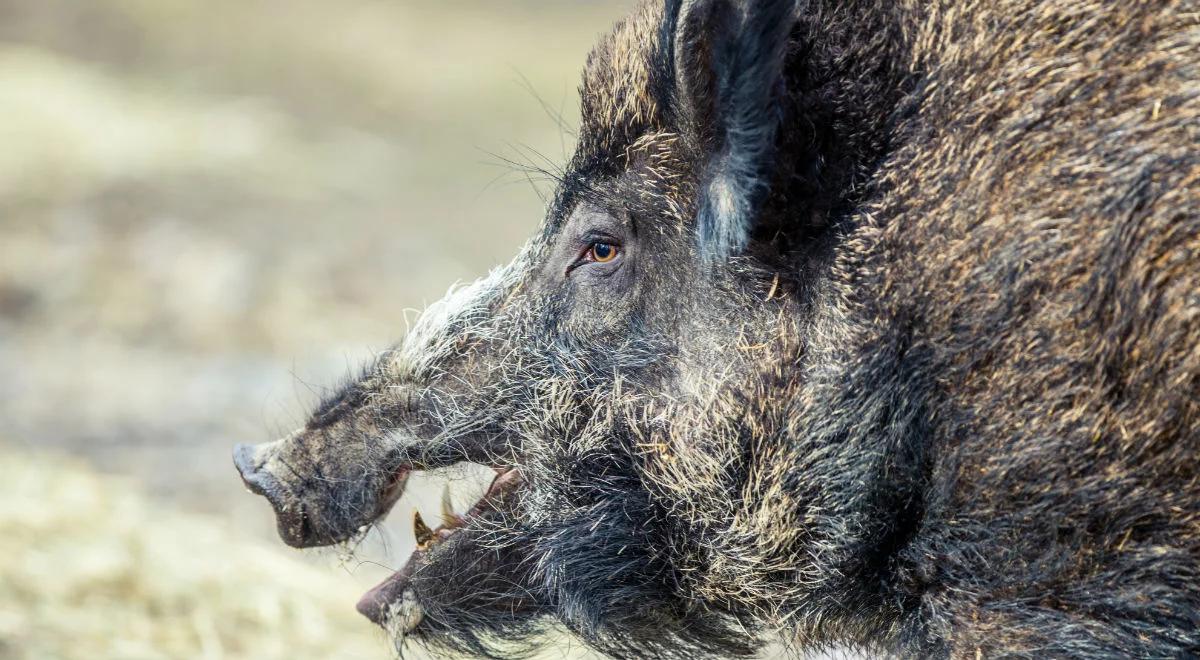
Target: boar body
872,324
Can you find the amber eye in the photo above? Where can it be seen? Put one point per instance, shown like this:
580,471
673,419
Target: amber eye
602,252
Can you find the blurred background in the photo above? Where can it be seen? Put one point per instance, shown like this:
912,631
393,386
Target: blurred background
210,212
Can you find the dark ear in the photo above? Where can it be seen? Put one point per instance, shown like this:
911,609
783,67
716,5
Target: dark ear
728,57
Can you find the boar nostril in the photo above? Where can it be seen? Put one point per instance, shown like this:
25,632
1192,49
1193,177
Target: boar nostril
294,527
243,459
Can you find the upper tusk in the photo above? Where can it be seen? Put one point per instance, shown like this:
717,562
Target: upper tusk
421,531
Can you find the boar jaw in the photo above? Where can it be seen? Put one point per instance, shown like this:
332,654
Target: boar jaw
392,603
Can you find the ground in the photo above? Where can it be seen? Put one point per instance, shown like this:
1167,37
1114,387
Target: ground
93,569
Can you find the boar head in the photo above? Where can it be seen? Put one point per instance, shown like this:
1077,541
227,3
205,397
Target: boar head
640,376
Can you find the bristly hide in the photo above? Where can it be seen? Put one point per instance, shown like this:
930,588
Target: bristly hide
864,323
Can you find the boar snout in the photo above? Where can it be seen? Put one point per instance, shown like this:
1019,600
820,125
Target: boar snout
328,505
294,529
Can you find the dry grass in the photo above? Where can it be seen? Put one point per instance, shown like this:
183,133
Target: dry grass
92,569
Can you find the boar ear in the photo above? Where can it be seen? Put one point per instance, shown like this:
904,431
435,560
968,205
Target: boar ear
728,58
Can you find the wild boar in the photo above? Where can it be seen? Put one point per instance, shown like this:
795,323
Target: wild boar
858,322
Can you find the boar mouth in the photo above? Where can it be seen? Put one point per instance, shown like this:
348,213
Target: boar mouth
392,604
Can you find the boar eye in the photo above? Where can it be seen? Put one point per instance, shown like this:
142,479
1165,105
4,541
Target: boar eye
599,251
602,252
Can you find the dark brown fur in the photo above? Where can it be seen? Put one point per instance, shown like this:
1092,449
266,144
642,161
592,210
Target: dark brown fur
937,395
